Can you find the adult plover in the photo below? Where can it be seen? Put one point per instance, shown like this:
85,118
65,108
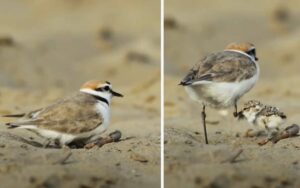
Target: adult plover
221,78
263,117
75,119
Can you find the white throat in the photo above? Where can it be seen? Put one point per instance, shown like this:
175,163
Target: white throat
101,108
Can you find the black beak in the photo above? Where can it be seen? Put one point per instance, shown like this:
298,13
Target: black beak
256,58
116,94
240,115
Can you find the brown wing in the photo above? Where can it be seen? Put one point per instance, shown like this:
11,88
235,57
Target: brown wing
73,115
270,110
223,66
23,115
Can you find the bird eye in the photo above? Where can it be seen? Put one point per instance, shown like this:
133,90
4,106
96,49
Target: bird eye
106,88
252,52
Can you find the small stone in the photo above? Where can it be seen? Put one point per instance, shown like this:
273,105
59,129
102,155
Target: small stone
269,179
220,182
6,41
134,56
198,180
24,146
170,23
138,157
188,142
32,179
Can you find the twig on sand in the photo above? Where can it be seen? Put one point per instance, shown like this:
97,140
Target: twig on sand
233,158
288,132
63,160
113,137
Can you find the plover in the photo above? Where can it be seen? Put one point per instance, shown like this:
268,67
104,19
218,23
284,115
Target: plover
221,78
75,119
263,117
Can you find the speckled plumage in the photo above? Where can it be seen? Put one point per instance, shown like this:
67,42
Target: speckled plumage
265,117
252,104
66,115
82,116
225,66
271,110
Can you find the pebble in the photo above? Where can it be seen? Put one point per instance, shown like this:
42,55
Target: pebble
138,157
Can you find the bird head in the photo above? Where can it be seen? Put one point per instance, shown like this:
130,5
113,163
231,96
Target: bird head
100,89
244,47
251,109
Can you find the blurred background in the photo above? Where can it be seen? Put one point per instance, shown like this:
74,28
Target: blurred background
48,49
196,28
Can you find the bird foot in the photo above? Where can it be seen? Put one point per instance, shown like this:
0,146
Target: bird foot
235,114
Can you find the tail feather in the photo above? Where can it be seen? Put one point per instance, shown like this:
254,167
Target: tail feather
11,125
14,115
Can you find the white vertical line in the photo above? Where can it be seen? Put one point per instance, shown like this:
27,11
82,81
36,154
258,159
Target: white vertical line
162,114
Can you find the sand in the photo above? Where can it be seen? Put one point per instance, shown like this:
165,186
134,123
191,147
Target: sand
47,50
195,28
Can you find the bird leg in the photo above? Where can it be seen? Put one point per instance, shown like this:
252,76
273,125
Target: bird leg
204,123
235,113
46,143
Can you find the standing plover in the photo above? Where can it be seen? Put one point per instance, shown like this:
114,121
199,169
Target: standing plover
75,119
263,117
221,78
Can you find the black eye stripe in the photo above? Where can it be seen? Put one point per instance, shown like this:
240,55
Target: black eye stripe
251,52
105,88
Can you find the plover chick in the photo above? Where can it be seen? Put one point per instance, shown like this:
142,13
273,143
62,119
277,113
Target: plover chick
220,79
263,117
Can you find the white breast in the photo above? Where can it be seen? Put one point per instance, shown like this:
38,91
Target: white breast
102,109
229,92
223,94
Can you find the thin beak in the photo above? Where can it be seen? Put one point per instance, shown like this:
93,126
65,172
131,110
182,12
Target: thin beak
116,94
256,58
240,115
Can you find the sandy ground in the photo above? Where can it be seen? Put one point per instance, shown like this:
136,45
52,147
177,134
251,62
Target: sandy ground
195,28
47,50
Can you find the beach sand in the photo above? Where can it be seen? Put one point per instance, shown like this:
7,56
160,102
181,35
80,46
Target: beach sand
195,28
47,50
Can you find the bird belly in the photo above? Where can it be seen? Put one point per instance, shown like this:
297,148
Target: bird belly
274,122
270,123
49,134
220,94
104,111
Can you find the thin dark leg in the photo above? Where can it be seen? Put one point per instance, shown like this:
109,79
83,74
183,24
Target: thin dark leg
46,143
204,123
235,113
